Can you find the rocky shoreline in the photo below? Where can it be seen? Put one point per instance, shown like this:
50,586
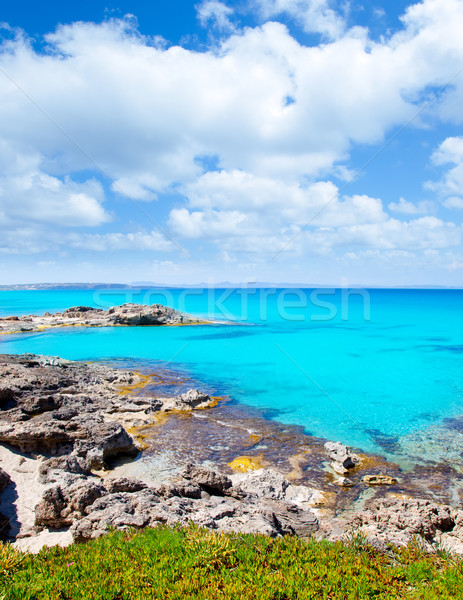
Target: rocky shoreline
86,316
64,424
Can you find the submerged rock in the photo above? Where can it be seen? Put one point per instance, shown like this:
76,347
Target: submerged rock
379,480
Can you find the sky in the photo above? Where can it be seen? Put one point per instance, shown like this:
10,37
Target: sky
311,141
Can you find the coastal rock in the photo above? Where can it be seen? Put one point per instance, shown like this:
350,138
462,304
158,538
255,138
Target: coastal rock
139,314
271,485
48,510
175,504
123,484
60,507
210,481
5,480
379,480
92,439
188,401
399,521
127,314
341,455
183,488
339,468
344,482
263,483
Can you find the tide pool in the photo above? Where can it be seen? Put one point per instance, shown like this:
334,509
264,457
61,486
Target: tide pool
365,368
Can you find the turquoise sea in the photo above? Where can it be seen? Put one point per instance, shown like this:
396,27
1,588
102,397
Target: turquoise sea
363,367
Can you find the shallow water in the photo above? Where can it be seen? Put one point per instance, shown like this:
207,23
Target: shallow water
373,381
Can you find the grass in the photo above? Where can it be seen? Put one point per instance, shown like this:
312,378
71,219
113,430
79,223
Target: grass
193,563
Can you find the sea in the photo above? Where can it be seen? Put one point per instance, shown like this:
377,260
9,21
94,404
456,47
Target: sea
372,368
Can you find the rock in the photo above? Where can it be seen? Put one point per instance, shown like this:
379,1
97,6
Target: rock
48,510
138,314
126,314
399,521
340,454
271,485
263,483
210,481
5,479
187,401
339,468
149,507
60,507
182,488
344,482
123,484
379,480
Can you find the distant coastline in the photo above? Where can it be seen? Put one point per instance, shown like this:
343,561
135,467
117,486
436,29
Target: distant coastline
207,285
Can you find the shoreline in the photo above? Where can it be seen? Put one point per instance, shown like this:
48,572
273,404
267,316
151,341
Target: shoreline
125,315
226,436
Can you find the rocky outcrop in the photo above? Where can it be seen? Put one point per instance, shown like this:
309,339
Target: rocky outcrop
206,497
401,521
342,459
379,480
51,406
187,401
74,416
126,314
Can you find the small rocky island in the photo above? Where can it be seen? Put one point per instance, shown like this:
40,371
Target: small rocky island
64,423
125,315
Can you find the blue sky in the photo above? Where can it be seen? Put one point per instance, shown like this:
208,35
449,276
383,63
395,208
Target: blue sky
307,141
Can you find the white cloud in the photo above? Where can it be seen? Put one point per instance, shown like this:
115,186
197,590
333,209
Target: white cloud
450,186
38,197
279,202
454,202
144,113
417,234
312,15
276,114
209,225
243,213
36,240
216,13
153,241
422,207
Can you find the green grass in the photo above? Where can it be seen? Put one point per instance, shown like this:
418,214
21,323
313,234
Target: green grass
193,563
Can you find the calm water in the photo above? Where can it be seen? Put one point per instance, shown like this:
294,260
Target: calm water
330,366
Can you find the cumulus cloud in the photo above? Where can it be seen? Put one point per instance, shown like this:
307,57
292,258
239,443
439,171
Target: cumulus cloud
216,13
136,241
144,113
422,207
244,213
450,186
314,16
36,239
280,118
277,201
209,225
39,197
